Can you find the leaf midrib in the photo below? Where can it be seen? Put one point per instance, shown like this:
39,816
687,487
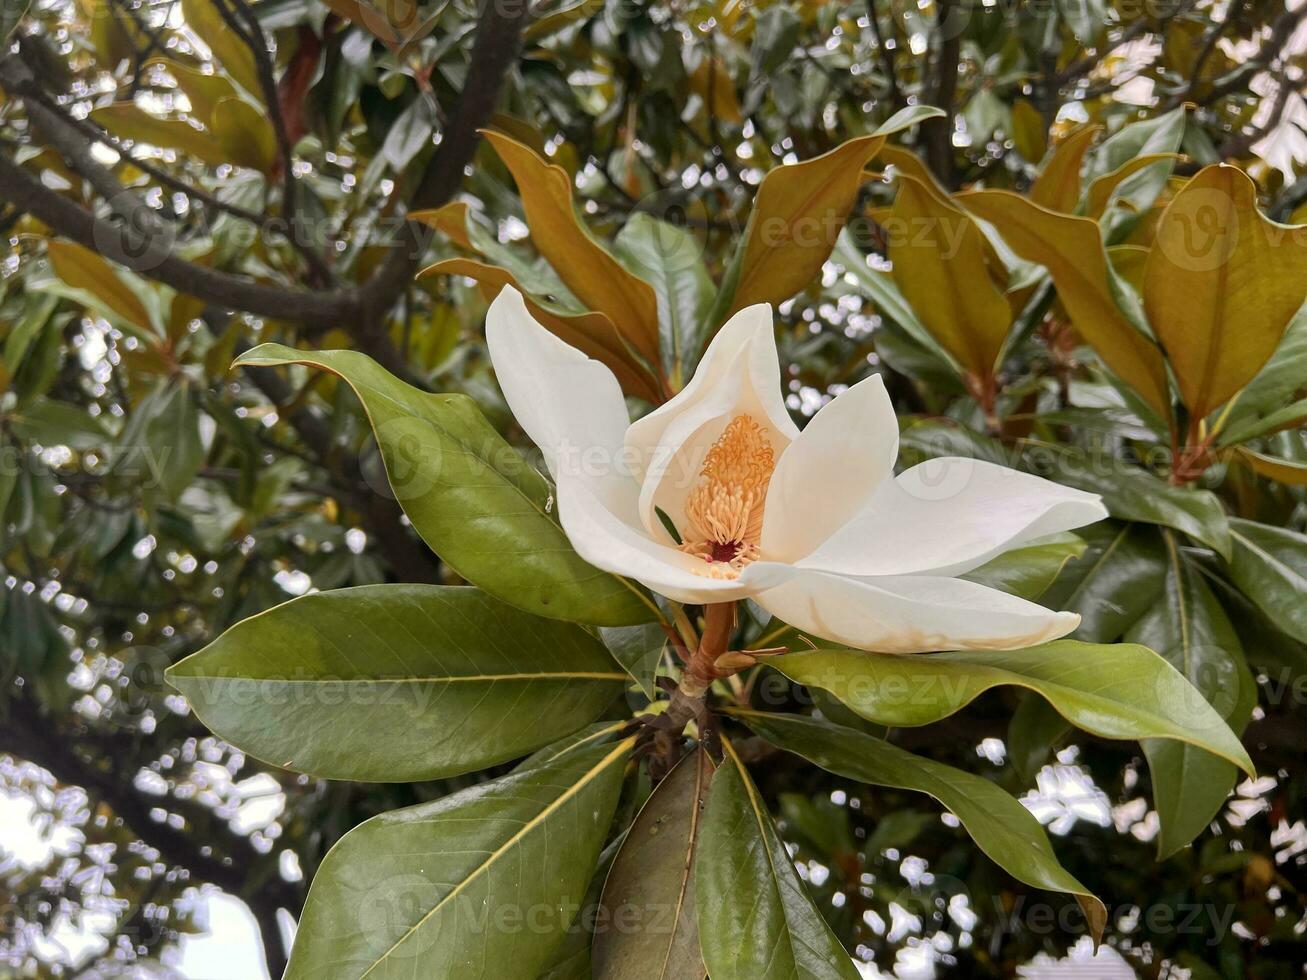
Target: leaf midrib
620,751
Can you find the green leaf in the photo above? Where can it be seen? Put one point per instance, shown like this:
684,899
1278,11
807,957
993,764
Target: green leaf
638,649
1192,632
1160,134
1133,494
56,423
1264,404
756,920
481,883
879,287
1269,565
1001,827
1032,733
570,959
472,498
1030,570
670,259
1119,576
1121,691
650,888
397,683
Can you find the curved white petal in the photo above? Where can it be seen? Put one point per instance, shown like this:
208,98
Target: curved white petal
739,374
904,614
569,404
572,407
949,515
605,540
830,471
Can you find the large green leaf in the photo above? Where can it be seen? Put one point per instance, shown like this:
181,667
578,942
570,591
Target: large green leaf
397,682
756,920
475,501
1191,630
1122,691
1120,575
1270,566
483,883
1134,494
648,899
670,259
1001,827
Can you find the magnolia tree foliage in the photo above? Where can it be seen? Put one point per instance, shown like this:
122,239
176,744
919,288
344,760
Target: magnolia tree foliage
767,487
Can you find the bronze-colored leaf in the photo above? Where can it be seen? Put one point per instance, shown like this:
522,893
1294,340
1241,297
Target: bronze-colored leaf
1221,285
1071,248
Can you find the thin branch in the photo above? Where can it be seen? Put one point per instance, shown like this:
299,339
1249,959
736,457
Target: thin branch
257,42
886,55
938,133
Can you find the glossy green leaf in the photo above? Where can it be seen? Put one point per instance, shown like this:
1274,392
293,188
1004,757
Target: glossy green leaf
1189,628
1277,395
1000,826
1030,570
1134,494
670,259
648,899
1120,575
879,287
475,501
639,649
1032,734
1269,564
397,682
483,883
1121,691
756,919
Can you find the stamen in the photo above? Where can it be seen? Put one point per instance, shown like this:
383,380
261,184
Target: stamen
725,508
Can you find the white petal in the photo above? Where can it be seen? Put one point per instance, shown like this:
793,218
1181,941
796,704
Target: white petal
569,404
949,515
904,614
739,374
572,407
830,471
605,540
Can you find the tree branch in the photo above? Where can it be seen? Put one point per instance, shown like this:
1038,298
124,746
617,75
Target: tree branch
937,133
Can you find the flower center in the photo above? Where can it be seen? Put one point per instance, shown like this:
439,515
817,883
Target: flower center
725,507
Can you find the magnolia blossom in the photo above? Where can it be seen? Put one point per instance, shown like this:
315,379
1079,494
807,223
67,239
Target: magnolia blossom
813,525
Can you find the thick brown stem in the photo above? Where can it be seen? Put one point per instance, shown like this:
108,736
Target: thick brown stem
701,671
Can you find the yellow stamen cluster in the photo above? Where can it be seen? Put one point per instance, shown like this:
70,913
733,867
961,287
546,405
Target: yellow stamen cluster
725,507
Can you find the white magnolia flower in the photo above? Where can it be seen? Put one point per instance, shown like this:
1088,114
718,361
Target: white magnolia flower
813,525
